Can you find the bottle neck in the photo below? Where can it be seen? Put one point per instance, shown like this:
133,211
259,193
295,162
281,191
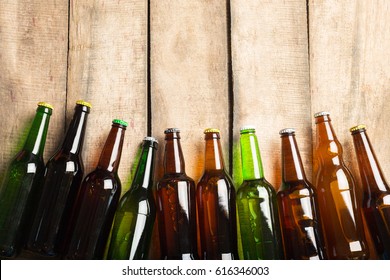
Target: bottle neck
252,166
144,175
370,170
213,153
327,143
111,154
74,138
173,155
36,138
292,168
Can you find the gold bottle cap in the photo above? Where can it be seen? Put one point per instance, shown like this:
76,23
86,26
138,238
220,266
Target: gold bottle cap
287,131
84,103
211,130
358,127
171,130
320,114
44,104
149,138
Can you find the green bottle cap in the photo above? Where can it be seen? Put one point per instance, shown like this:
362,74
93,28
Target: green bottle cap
121,122
84,103
46,105
287,131
358,128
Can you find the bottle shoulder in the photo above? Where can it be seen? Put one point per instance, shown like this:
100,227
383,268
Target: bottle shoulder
299,188
250,185
174,178
214,177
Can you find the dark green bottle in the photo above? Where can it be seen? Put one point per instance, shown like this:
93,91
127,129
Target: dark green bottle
61,183
134,218
257,205
20,191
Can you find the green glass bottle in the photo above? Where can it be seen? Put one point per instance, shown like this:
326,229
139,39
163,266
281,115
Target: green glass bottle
134,219
257,205
20,191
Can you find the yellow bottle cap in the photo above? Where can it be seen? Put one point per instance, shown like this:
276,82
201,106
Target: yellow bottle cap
358,127
212,130
44,104
84,103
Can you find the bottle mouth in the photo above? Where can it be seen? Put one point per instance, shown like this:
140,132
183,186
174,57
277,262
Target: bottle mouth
287,131
171,130
248,129
321,114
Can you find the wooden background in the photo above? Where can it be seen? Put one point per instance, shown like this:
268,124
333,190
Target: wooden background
197,64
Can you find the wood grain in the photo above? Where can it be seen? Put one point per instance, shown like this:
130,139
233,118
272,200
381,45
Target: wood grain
107,67
350,71
33,52
271,79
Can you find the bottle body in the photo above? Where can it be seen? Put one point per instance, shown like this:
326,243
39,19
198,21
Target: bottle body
63,176
135,216
257,205
20,189
176,204
216,205
340,213
376,192
97,201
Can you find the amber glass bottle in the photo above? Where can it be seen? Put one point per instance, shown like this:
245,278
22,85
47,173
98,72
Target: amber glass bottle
176,204
339,210
63,176
216,204
302,236
97,200
21,189
376,192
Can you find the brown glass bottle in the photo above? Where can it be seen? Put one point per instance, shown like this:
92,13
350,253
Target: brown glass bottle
62,180
97,200
339,210
376,192
301,229
216,204
176,204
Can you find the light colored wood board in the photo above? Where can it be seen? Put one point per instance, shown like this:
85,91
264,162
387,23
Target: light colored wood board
350,70
189,76
33,53
107,67
271,79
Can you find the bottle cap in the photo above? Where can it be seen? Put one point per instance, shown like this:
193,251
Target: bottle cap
247,128
121,122
287,131
46,105
84,103
320,114
211,130
357,128
171,130
149,138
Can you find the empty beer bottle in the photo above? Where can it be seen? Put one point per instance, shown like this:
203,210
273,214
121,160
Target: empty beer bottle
63,175
376,192
134,218
256,204
176,204
97,200
297,199
339,212
20,190
216,201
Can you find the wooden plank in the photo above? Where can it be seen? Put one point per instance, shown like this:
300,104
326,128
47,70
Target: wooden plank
350,70
189,80
107,67
271,79
33,53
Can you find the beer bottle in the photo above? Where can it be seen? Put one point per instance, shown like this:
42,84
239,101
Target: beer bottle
134,218
97,200
340,216
63,175
176,204
376,192
216,201
20,190
297,199
256,204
